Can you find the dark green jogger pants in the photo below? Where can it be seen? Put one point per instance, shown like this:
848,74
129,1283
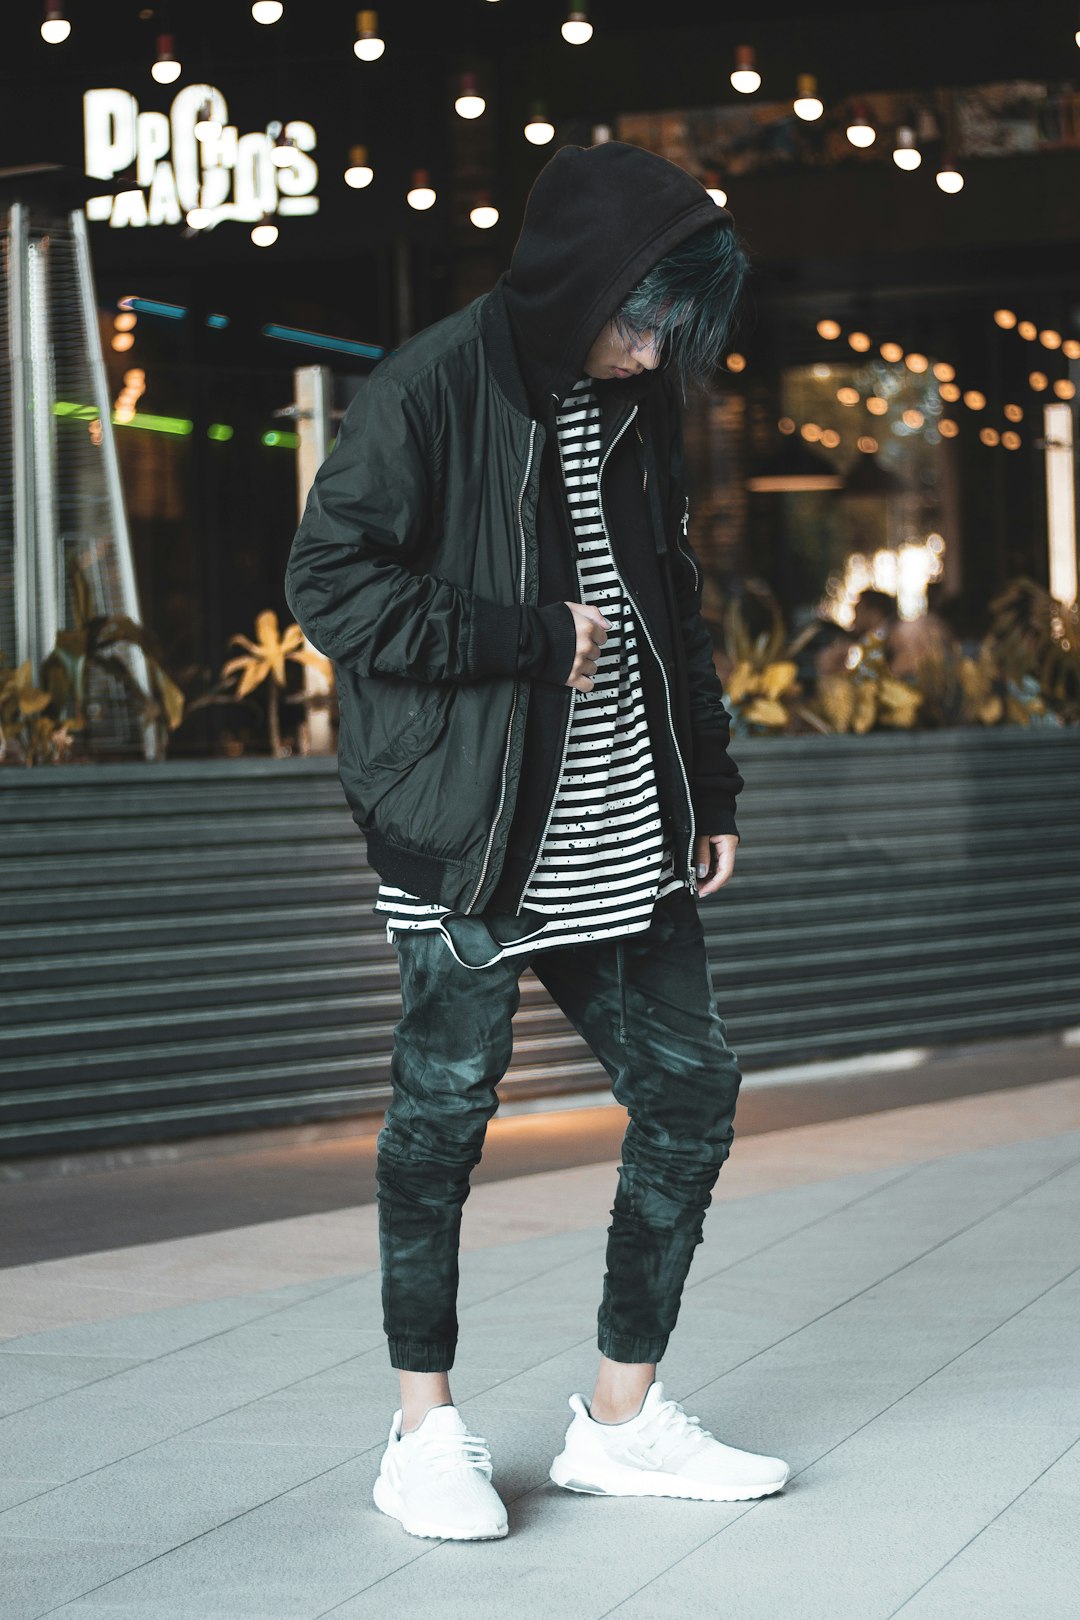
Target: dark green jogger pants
646,1007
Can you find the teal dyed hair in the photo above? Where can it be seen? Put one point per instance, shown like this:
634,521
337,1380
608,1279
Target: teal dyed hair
688,302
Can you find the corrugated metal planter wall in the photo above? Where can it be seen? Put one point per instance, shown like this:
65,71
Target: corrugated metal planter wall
191,948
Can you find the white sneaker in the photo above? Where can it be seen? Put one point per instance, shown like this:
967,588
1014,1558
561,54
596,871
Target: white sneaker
660,1452
437,1480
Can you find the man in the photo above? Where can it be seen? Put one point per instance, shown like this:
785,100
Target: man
533,740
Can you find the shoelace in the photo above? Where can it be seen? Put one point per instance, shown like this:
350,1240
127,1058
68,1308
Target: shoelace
446,1451
671,1421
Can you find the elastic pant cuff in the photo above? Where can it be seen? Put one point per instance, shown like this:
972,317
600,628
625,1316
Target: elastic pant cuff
625,1347
421,1355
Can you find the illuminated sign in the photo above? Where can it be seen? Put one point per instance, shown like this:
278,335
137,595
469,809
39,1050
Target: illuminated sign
229,175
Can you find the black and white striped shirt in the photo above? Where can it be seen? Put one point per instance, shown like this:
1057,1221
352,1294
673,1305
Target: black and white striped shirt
604,859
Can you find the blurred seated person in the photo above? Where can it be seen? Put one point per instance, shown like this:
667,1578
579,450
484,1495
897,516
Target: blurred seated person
907,641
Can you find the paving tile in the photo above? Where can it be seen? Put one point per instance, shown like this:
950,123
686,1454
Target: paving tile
168,1493
1029,1555
26,1378
37,1575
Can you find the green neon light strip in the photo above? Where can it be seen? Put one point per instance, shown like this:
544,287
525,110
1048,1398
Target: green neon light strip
142,419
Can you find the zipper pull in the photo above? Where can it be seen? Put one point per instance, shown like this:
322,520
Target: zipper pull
686,520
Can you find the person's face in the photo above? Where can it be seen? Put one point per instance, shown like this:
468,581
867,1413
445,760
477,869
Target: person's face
615,356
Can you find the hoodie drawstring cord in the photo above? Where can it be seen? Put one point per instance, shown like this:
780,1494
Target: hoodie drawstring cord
620,974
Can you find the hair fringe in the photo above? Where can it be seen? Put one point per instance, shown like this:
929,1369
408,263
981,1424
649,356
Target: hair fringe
689,301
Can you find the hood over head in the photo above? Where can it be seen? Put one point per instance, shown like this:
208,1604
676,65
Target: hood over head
596,221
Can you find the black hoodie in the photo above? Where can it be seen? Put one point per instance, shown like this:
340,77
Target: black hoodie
596,221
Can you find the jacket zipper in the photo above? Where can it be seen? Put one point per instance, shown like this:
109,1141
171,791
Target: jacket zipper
660,664
517,684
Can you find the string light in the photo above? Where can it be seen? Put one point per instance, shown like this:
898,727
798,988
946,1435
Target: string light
267,11
948,428
1071,348
369,44
848,396
470,103
807,104
1010,440
1014,413
860,132
949,391
484,214
906,154
1005,319
359,173
876,405
714,188
974,400
891,352
859,341
166,68
1050,339
1039,381
421,194
539,129
744,75
828,330
1064,389
989,435
943,371
56,28
949,177
265,233
736,362
577,29
916,362
1028,331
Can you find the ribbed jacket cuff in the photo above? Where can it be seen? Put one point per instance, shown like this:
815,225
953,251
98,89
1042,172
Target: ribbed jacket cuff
714,812
523,640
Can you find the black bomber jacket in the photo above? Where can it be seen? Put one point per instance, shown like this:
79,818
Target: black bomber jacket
434,558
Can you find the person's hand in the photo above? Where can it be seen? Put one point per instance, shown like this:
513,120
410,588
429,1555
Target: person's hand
592,632
716,853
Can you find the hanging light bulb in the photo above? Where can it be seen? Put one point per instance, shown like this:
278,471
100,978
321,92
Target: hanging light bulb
470,103
56,28
281,153
539,129
368,44
949,177
860,132
906,154
207,127
714,188
577,29
807,103
166,68
421,194
484,214
267,11
359,173
744,75
265,233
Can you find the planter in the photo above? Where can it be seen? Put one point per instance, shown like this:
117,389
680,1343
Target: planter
190,947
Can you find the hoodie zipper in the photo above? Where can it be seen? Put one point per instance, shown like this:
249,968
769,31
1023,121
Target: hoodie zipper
663,672
517,684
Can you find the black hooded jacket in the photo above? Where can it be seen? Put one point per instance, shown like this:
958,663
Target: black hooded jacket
435,557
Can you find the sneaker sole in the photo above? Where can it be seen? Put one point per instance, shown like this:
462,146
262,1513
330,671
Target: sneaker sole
388,1501
617,1480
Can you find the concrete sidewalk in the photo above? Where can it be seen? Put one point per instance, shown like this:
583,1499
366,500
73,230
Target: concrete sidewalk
891,1302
